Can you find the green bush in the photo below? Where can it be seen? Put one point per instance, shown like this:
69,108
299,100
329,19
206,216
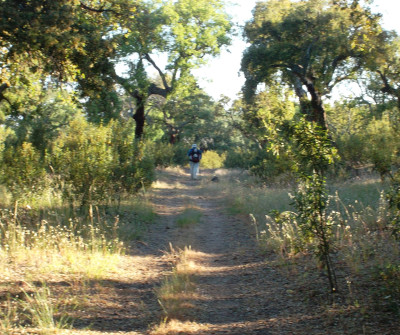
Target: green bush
180,154
83,159
163,153
351,149
387,294
212,160
238,158
268,166
94,163
23,171
133,166
382,145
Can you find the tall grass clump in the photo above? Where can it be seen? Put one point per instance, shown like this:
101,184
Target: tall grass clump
178,288
42,312
77,247
34,310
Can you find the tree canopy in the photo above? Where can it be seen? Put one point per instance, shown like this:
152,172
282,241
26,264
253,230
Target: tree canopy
84,42
310,46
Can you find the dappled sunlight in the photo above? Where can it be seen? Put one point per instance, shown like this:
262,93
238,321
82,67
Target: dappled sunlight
142,268
179,327
159,184
193,262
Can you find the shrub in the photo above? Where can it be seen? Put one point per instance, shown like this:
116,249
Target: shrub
83,158
162,153
93,163
382,145
212,160
23,171
238,158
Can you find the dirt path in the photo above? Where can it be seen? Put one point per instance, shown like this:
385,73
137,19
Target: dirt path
235,289
236,292
231,289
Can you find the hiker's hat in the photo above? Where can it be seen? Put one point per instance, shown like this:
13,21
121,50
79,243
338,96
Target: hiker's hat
194,145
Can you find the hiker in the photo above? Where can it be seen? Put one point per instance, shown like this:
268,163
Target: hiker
194,160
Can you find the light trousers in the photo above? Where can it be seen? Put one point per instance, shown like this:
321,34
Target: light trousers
194,169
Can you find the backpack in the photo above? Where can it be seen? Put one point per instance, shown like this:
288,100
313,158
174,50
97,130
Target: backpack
195,156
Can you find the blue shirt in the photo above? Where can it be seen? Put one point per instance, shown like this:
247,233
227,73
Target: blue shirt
199,152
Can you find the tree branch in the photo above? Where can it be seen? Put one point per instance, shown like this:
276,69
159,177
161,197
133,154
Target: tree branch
100,10
162,75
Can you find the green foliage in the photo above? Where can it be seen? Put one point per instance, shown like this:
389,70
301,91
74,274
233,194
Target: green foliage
23,171
197,27
312,148
270,167
394,205
387,295
212,160
133,164
104,107
263,123
311,153
166,154
310,200
83,157
37,111
336,37
382,145
94,162
238,157
365,137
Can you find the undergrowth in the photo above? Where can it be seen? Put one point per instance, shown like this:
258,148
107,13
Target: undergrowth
365,251
49,245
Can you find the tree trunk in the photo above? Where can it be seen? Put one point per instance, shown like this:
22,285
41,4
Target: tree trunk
317,112
139,115
302,95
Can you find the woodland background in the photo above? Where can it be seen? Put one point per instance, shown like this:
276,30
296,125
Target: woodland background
84,124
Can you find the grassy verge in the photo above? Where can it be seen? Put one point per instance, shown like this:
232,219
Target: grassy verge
366,255
48,257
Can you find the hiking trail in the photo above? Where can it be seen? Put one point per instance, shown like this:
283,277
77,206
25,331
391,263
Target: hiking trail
235,289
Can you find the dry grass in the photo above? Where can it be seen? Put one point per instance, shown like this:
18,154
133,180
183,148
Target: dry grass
173,326
177,293
367,256
63,256
45,250
178,289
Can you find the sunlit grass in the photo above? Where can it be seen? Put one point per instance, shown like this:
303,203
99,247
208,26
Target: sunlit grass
46,249
178,288
179,327
244,194
57,244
